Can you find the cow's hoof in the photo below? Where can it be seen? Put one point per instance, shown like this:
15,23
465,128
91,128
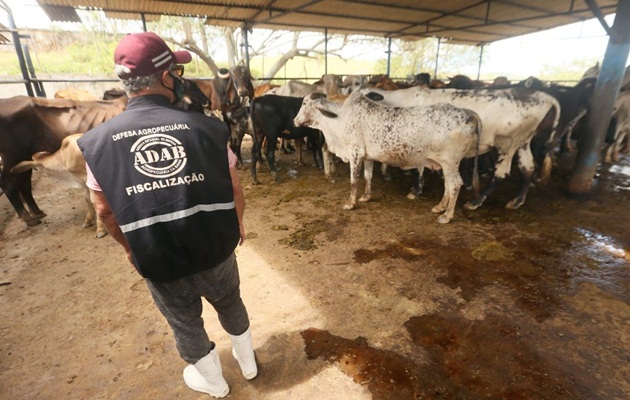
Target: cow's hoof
39,214
33,222
100,235
364,199
438,209
444,219
255,182
412,196
514,204
348,206
471,205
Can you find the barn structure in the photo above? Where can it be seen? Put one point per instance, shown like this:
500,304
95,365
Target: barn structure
456,21
379,303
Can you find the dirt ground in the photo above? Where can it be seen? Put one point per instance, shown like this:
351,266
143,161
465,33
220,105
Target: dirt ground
381,302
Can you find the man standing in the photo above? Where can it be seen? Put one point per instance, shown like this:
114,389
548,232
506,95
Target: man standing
166,188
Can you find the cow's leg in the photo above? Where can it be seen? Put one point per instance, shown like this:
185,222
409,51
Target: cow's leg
26,191
314,144
526,165
16,201
368,168
502,170
329,165
452,185
385,171
270,151
100,227
256,157
12,185
355,171
91,216
299,142
418,183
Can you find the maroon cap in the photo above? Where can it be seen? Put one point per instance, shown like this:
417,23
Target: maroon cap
144,54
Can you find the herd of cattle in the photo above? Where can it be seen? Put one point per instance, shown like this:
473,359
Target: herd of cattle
454,127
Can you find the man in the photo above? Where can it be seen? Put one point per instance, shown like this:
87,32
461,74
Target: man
166,188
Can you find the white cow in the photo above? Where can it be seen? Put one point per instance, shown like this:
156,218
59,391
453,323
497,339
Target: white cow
66,165
329,84
510,120
621,139
362,131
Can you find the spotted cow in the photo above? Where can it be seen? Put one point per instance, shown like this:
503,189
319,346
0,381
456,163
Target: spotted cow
363,131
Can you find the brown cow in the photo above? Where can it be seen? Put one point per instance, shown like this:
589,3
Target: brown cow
71,93
29,125
263,88
66,165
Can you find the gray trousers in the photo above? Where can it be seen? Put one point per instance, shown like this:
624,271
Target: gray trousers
180,302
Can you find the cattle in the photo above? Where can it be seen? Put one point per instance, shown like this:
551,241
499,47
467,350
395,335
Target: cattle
460,82
239,123
620,140
66,165
29,125
362,131
352,83
329,84
422,79
228,89
383,82
500,81
264,88
272,118
574,103
510,118
74,94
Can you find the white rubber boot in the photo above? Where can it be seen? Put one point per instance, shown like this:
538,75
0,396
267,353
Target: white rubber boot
206,376
243,352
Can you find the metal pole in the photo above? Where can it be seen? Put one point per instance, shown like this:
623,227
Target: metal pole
606,90
325,51
480,61
245,30
437,58
389,55
144,21
39,86
18,49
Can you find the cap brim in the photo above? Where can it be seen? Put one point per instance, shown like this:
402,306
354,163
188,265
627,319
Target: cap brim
182,57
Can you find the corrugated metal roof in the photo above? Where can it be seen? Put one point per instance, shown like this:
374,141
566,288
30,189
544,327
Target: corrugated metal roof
131,16
61,13
458,21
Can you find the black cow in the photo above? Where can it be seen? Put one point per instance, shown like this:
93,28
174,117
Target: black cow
272,118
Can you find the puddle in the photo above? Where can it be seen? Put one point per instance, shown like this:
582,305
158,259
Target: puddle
408,251
488,359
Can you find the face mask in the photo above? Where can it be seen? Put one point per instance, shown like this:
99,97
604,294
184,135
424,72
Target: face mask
178,89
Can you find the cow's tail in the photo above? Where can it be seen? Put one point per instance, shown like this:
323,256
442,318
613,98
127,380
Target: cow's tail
547,162
475,178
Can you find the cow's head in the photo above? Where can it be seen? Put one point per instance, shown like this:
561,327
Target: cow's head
312,106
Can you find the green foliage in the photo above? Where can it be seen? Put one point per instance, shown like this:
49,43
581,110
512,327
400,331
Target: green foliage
567,71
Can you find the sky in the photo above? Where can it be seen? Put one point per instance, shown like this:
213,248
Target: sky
524,55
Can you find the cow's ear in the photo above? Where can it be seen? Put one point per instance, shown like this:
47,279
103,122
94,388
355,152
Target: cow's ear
327,113
374,96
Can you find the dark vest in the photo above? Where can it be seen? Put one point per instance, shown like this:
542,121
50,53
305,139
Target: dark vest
164,172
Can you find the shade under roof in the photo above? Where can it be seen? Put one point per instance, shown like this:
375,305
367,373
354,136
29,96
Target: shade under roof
458,21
